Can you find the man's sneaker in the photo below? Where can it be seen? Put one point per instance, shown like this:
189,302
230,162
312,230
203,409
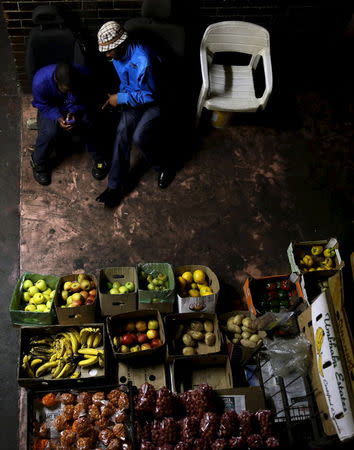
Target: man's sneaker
100,170
41,173
110,197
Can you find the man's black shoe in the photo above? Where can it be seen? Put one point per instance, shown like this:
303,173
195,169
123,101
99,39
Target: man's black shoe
100,170
110,197
41,173
165,178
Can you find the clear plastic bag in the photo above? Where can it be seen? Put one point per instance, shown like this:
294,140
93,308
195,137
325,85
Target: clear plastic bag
289,356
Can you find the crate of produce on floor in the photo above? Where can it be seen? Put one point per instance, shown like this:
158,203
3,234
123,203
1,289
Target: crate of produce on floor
197,288
32,301
138,334
118,288
57,354
156,287
76,299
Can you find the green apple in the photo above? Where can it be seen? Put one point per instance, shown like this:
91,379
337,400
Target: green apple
130,286
123,290
41,308
155,281
150,278
67,285
76,297
69,300
52,294
27,284
151,287
116,285
31,308
41,285
47,297
26,296
109,285
32,290
64,295
47,291
37,299
155,300
114,291
85,285
49,304
162,276
82,277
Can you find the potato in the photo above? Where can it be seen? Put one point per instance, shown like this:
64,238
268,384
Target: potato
254,338
246,322
231,326
188,340
245,335
249,330
208,326
188,351
238,319
210,339
196,335
196,326
248,343
235,340
237,336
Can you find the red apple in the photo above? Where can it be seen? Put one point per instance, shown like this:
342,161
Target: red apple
156,343
91,298
93,292
130,326
142,338
129,339
84,294
145,346
89,301
152,334
77,302
141,325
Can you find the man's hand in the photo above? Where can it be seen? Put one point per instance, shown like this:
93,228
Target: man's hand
112,100
64,125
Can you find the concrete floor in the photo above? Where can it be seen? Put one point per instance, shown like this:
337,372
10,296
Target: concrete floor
241,196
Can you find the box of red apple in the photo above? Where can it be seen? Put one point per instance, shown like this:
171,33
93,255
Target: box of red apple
136,334
76,299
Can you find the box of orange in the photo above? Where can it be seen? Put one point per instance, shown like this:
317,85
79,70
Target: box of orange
197,288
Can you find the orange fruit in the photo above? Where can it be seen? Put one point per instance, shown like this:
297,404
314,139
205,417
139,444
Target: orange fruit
199,276
188,276
181,282
194,293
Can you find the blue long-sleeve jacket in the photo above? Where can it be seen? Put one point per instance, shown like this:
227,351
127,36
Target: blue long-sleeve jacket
51,102
135,71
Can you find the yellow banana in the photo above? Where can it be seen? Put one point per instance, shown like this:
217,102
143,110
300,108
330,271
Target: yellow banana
26,365
65,370
97,339
320,365
75,374
35,362
75,339
88,362
88,351
101,360
84,333
44,367
90,340
58,369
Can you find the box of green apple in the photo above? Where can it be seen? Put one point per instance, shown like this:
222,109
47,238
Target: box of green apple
117,288
156,287
32,300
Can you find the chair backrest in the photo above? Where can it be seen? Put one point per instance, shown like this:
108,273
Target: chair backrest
235,36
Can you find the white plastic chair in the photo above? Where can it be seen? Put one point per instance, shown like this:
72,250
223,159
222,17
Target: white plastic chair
231,88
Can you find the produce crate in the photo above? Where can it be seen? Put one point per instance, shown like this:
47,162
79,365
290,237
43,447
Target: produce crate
112,304
206,303
93,374
20,317
114,326
162,301
254,289
175,331
37,413
74,315
142,370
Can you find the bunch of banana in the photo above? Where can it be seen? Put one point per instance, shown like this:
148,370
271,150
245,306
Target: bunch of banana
92,357
90,337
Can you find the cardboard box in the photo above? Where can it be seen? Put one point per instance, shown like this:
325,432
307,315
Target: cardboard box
243,398
254,287
205,303
17,305
238,354
89,375
112,304
114,324
296,250
142,371
76,315
189,373
175,330
162,301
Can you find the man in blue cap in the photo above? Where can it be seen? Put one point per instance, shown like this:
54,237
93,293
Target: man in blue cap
56,91
140,120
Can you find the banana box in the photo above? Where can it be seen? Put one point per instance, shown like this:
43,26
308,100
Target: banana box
331,368
58,354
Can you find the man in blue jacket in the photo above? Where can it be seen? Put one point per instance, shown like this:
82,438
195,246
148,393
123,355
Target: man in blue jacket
56,93
140,121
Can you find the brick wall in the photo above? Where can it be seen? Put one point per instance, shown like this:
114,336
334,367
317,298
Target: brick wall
273,14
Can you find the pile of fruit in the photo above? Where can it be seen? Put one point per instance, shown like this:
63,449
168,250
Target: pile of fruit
318,258
196,332
193,284
118,288
64,354
277,296
153,283
83,421
80,292
243,330
38,296
192,420
137,336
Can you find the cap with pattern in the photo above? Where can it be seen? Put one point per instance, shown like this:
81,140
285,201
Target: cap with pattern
110,35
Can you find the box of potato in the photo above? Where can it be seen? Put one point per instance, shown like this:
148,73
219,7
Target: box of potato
197,289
